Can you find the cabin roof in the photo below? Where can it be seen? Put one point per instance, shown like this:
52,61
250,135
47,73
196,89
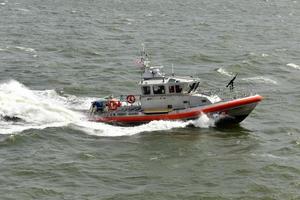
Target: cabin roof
167,80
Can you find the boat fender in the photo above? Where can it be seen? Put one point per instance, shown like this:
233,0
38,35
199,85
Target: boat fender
130,99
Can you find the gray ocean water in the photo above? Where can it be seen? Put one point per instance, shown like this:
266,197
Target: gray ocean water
57,56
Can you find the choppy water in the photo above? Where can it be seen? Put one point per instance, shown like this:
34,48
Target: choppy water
58,56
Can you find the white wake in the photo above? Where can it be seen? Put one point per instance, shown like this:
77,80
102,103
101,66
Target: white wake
39,109
224,72
293,65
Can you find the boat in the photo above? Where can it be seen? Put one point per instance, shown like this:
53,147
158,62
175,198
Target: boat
170,97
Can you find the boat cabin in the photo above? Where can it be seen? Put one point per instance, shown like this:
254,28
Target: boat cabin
159,94
164,94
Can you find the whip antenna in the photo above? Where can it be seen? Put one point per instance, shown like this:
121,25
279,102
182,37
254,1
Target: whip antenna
231,83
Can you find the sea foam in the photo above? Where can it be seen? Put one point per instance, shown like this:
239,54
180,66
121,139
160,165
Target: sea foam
260,79
293,65
39,109
224,72
27,49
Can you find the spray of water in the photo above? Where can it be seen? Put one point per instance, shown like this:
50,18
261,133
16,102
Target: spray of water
36,109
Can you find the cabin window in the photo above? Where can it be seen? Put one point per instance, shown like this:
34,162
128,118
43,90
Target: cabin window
178,88
171,89
146,90
171,80
158,89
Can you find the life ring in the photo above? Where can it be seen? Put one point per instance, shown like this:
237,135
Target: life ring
130,99
112,105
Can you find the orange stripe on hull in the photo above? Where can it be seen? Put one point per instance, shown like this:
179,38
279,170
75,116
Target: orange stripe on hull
231,104
181,115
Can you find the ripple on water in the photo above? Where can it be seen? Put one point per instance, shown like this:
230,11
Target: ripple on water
293,65
86,48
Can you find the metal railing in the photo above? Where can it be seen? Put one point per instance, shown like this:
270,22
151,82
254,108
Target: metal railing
227,94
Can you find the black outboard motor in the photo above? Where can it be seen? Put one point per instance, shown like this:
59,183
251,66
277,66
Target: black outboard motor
97,106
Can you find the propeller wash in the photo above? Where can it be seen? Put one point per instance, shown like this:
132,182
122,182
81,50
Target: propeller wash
23,109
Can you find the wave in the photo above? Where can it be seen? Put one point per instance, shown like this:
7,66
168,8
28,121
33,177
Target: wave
267,155
34,108
101,129
260,79
224,72
27,49
293,65
23,9
40,109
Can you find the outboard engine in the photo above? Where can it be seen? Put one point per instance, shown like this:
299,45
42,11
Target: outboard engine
97,107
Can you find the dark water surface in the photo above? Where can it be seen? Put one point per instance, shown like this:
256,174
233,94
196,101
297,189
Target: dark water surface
57,56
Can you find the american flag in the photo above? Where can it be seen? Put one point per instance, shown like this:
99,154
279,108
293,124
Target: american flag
139,62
